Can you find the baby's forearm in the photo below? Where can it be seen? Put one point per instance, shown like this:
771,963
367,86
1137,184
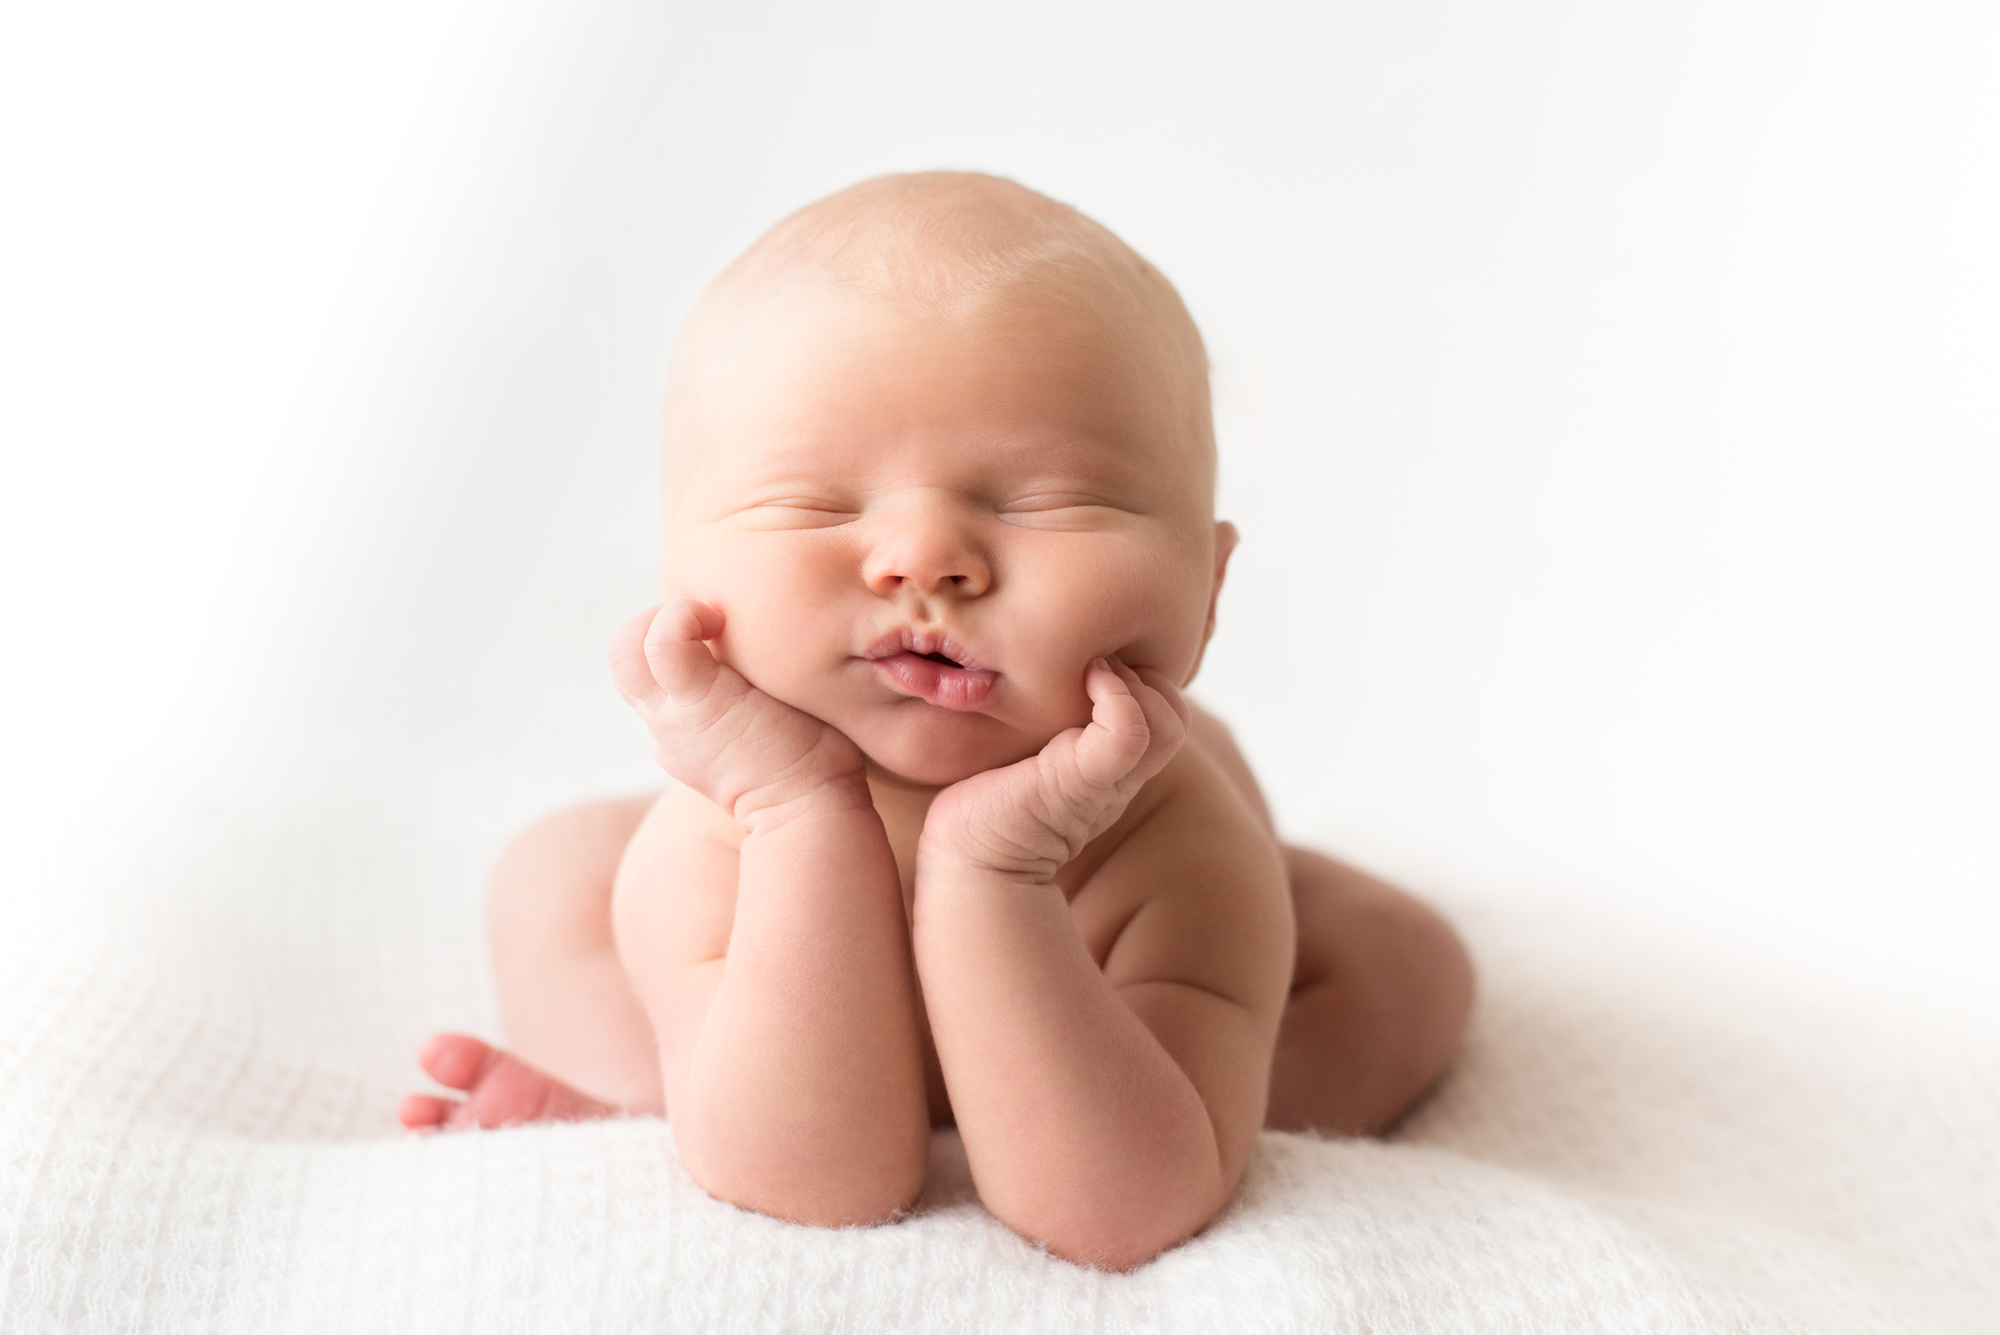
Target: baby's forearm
801,1093
1081,1130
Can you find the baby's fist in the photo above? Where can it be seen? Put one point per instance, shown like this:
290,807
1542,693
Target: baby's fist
745,751
1028,819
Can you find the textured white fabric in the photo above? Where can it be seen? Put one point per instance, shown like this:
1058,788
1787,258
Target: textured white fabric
200,1055
1606,398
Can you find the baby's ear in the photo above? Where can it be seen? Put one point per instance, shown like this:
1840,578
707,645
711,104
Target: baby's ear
1226,538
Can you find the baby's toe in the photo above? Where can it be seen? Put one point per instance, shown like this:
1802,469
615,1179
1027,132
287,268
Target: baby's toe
425,1112
454,1060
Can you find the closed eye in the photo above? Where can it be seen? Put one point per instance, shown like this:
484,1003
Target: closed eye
788,512
809,503
1061,509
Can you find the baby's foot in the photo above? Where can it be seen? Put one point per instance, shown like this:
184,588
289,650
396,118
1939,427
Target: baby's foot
501,1090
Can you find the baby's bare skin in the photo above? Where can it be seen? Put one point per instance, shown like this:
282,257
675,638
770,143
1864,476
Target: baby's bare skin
941,555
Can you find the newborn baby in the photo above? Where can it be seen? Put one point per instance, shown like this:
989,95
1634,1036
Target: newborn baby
948,845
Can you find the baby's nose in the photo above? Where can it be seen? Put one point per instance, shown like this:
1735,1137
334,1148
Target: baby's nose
928,559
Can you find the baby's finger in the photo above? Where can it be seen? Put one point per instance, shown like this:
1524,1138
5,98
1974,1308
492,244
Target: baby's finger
1117,735
1167,715
1167,711
629,668
676,652
1164,687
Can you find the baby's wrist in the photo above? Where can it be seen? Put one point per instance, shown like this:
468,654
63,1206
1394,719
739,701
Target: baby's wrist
942,856
770,807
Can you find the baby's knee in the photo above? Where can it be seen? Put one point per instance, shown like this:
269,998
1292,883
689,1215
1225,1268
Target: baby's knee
562,866
1366,936
1434,954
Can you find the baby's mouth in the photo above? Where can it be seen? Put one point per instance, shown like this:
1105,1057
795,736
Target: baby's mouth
927,665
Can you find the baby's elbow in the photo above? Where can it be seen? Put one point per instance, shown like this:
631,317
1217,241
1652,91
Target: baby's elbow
816,1198
1112,1235
1116,1249
822,1209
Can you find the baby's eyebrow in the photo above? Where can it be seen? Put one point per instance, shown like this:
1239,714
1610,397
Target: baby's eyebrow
991,465
807,466
1066,460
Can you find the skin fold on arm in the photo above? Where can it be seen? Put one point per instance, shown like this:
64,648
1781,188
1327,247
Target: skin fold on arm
1107,1111
788,1039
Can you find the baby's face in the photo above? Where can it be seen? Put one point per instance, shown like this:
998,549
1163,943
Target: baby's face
921,529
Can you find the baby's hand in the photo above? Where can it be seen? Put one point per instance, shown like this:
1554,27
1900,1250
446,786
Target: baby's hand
715,732
1030,818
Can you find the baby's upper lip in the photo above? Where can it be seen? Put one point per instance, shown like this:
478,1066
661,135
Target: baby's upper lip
923,640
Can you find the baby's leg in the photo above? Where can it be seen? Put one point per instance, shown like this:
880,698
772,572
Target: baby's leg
1380,997
564,998
582,1047
1380,992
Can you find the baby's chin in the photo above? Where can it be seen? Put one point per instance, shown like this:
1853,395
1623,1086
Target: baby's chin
934,752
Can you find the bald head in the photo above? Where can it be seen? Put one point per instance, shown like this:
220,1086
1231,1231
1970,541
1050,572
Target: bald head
954,247
949,240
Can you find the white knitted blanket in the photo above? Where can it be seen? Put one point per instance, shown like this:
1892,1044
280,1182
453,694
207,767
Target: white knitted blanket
200,1055
1607,394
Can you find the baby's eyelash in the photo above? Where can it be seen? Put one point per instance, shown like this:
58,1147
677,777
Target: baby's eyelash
1053,500
796,512
819,503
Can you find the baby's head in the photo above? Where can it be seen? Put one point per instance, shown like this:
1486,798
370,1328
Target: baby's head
933,445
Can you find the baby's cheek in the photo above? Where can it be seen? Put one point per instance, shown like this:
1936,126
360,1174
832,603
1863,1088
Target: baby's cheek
766,647
1063,703
763,594
1145,622
745,643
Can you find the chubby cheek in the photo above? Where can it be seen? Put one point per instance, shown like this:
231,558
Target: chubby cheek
774,600
1140,605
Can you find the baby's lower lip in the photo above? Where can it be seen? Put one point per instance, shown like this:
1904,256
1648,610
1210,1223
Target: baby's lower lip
938,683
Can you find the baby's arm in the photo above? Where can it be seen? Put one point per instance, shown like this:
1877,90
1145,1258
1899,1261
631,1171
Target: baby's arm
788,1040
1106,1113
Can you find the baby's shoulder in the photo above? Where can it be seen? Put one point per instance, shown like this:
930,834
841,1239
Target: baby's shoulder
1189,859
1191,809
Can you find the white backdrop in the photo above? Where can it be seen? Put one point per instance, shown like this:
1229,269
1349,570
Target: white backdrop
1607,395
